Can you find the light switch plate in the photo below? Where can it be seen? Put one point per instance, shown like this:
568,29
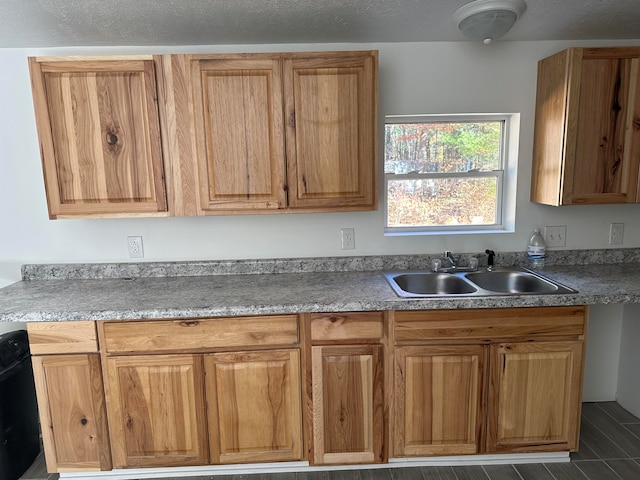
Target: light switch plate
555,236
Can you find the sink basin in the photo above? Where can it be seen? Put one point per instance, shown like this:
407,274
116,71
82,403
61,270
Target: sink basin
512,282
500,281
426,283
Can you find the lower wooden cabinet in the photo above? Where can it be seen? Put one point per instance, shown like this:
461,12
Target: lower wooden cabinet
348,417
534,396
439,399
157,410
72,412
254,406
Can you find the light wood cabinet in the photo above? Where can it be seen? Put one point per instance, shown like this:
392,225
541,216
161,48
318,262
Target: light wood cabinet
321,106
346,375
200,391
440,399
99,131
156,410
587,127
534,396
254,406
495,380
71,402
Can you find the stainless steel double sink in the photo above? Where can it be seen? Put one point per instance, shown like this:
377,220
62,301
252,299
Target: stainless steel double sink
499,281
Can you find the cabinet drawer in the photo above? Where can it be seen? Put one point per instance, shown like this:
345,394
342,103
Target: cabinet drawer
199,334
62,337
489,324
346,326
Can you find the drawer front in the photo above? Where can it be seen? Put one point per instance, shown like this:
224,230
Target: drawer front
489,324
346,326
62,337
193,335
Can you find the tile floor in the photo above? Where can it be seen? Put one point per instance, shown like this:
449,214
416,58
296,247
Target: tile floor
609,450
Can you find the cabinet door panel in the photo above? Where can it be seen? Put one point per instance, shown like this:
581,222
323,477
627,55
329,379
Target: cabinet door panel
100,136
72,412
331,131
439,400
238,109
347,404
254,406
156,410
534,396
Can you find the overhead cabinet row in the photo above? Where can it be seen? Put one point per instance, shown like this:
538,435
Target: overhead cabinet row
207,134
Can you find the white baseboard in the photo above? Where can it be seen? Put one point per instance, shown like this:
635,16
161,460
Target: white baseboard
211,470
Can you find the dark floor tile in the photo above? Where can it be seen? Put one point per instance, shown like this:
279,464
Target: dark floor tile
565,471
612,429
376,474
602,446
583,453
633,428
501,472
409,473
626,469
438,473
475,472
345,475
533,471
597,470
618,413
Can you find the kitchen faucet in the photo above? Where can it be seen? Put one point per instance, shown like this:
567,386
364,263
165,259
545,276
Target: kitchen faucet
449,256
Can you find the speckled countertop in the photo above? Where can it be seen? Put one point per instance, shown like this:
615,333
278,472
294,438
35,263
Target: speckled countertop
202,289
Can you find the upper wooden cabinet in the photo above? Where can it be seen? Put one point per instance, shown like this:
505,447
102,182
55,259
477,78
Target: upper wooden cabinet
99,135
286,131
587,127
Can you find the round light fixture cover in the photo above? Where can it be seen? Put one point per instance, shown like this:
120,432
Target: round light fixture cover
487,20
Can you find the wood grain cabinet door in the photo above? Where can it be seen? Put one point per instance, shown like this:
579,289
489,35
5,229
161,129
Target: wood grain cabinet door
254,406
72,412
347,390
587,127
534,396
331,125
239,131
439,400
99,133
157,410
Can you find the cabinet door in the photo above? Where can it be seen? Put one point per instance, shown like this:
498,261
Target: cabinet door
254,406
156,410
348,405
99,136
238,120
439,400
72,412
534,396
331,125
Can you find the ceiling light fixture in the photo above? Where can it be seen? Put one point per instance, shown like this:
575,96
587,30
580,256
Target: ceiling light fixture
487,20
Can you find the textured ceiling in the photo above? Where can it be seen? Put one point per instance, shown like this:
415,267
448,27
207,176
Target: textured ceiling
52,23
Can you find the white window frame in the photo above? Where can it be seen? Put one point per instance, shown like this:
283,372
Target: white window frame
505,177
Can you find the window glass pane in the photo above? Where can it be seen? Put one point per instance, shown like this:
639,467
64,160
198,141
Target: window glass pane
439,202
442,147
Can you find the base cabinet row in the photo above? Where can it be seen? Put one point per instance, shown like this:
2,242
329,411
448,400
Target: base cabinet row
346,388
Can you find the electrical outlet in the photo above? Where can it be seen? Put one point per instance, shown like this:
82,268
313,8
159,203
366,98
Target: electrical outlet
616,234
348,236
555,236
135,247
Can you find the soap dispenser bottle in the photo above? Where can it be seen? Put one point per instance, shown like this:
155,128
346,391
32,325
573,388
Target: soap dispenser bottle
536,249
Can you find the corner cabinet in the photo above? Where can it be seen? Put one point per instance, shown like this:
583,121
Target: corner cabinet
286,132
587,127
99,131
478,381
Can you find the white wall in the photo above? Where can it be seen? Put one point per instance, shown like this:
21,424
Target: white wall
414,78
628,394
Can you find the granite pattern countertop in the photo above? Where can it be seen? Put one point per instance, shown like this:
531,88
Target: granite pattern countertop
89,296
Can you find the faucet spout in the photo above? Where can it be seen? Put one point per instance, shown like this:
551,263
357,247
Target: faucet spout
449,256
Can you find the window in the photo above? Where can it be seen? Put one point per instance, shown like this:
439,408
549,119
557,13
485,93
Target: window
449,174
